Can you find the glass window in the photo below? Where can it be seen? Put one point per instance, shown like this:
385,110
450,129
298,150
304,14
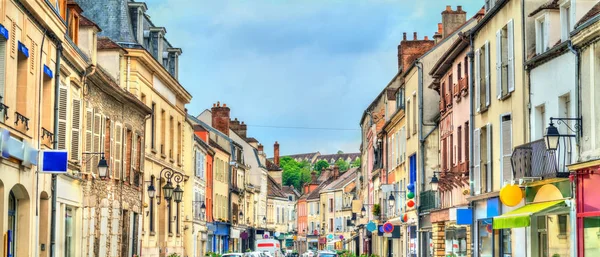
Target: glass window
12,221
456,241
506,243
69,229
591,236
486,238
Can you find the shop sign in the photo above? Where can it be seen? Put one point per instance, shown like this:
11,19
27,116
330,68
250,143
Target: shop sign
15,148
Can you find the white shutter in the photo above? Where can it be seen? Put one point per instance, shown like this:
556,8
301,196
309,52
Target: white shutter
112,147
118,149
393,159
198,163
487,74
477,79
89,125
507,175
96,139
75,129
477,160
499,63
202,162
133,152
489,168
61,134
511,55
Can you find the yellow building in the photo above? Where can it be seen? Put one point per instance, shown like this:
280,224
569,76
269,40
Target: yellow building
501,116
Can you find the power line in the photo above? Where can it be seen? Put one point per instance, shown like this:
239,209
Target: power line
306,128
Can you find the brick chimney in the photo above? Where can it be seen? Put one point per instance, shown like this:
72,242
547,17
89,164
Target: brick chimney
220,118
336,172
238,128
410,50
452,20
276,153
437,37
261,148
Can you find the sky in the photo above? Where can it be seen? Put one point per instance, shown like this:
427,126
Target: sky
294,63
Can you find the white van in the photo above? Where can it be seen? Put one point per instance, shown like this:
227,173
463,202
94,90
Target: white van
270,246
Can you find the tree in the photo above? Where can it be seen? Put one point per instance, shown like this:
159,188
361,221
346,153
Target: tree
294,173
340,152
320,165
342,164
355,163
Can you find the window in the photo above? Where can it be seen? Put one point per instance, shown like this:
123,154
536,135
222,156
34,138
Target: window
163,132
541,34
22,75
565,20
128,150
482,159
69,232
459,70
171,137
400,98
506,135
414,114
179,138
540,120
482,79
505,83
47,86
459,144
466,141
562,224
408,118
330,205
75,128
74,26
153,126
451,150
466,62
591,243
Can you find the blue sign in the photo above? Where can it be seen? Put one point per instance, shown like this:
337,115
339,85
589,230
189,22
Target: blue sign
493,207
464,217
371,226
47,71
3,32
23,49
54,161
381,229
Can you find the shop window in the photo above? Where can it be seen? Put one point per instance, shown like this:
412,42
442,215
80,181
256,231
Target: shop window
69,232
486,238
456,241
562,225
12,221
591,236
506,243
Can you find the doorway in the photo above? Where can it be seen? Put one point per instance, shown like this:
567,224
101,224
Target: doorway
390,248
542,236
12,223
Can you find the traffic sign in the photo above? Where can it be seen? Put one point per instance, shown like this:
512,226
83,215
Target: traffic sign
388,227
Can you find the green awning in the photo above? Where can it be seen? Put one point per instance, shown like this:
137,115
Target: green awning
521,217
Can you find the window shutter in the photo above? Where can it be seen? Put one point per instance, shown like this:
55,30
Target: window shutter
118,149
96,140
2,73
202,161
511,56
477,160
507,174
393,151
477,79
75,128
499,63
112,147
489,168
62,117
487,74
89,122
133,151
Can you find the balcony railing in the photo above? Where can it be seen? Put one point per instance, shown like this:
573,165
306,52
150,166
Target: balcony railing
47,137
427,201
442,104
24,120
532,160
4,110
463,84
448,100
456,92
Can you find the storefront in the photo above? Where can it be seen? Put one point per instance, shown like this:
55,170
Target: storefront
219,237
587,176
451,232
547,212
312,243
487,241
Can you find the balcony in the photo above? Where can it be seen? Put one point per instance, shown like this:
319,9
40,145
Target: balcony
532,160
456,92
47,137
442,105
427,201
463,84
4,110
448,100
22,119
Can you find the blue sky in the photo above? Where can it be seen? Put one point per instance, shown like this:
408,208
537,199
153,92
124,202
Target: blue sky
301,63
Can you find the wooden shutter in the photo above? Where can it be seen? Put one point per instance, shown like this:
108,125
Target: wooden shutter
96,139
477,79
197,167
2,73
477,160
511,55
112,147
75,129
133,152
507,174
489,169
89,125
487,74
61,134
499,63
118,149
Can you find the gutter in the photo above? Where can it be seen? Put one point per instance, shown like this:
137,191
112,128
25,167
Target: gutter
53,220
575,51
471,55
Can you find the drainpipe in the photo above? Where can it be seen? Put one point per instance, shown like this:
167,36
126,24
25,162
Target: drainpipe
471,130
37,174
128,72
55,146
575,51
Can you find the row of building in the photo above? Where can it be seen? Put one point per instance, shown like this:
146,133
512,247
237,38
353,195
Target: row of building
144,177
485,142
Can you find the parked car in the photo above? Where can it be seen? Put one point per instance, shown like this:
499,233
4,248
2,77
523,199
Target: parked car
327,254
254,254
232,255
269,246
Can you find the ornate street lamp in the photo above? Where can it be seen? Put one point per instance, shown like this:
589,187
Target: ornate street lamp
168,191
203,208
363,211
178,194
151,191
434,182
552,137
103,168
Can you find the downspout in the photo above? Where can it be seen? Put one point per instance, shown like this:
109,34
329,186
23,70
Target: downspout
471,130
575,51
55,146
128,73
37,174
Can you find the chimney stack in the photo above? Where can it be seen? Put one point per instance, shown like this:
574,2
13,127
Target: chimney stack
276,153
238,128
404,36
410,50
452,20
313,177
415,35
220,118
437,37
260,148
336,172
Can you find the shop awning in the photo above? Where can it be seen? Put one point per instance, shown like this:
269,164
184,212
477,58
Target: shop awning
395,221
521,217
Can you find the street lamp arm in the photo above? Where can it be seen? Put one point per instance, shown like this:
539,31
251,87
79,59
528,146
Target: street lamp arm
577,128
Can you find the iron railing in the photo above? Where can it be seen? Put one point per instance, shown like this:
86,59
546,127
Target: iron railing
533,160
427,200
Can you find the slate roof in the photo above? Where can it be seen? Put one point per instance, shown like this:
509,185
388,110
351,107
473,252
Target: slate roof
335,157
302,156
273,189
550,5
316,194
85,22
589,15
344,179
290,190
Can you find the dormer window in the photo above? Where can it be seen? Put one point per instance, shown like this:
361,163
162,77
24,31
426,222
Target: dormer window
137,10
73,21
541,34
172,64
566,24
156,42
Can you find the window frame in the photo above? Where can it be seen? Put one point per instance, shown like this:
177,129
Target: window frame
566,19
541,33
